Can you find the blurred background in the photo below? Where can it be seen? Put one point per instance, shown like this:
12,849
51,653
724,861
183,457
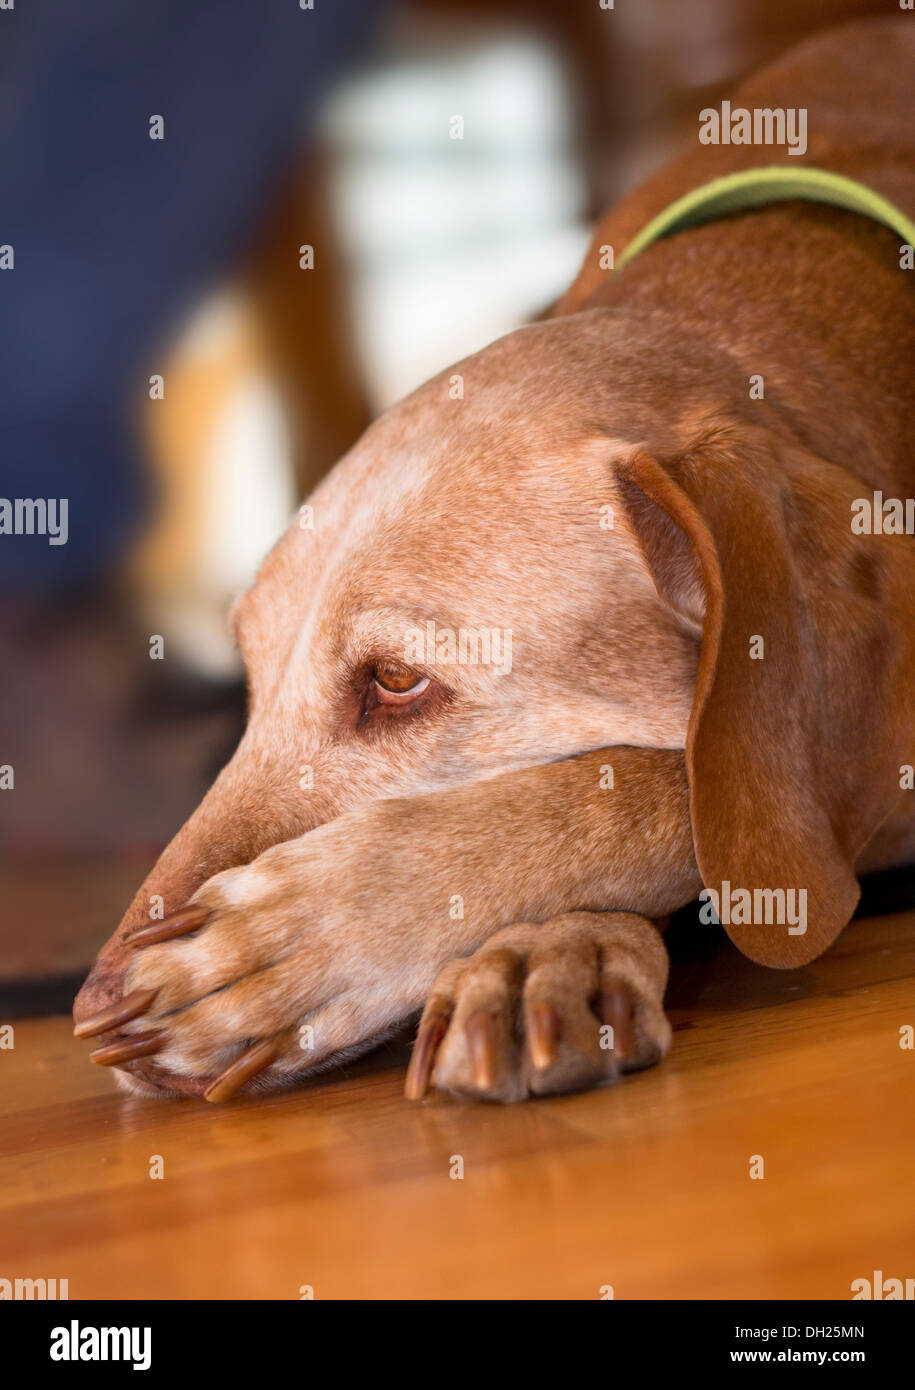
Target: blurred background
234,233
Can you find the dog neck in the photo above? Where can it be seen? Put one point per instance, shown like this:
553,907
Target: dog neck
753,188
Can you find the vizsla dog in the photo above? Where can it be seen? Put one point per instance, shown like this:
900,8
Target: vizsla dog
579,630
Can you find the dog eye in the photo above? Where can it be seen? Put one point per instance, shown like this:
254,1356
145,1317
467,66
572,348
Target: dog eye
396,684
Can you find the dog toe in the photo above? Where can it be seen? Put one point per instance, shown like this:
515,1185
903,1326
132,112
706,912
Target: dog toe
536,1012
479,1054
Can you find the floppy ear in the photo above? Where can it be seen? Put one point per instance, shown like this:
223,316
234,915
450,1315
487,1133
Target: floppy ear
799,726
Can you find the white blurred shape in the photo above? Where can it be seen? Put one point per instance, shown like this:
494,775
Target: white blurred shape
450,242
250,461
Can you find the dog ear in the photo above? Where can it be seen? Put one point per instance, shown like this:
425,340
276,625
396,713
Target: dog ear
799,729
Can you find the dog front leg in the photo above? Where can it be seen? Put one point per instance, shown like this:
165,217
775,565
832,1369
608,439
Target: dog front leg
324,944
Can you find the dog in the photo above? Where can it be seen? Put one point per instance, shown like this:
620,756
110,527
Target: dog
705,672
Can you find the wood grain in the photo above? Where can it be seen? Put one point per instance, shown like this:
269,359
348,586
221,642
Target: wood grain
645,1186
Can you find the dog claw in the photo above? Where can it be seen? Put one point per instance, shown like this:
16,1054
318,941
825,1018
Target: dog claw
544,1023
480,1032
137,1045
130,1007
176,924
242,1069
422,1059
615,1008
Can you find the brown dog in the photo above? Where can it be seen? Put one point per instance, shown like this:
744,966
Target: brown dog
714,689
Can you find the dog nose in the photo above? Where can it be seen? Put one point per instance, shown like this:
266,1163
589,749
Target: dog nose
104,984
105,989
229,828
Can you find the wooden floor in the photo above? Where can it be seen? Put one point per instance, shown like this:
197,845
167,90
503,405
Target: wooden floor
645,1186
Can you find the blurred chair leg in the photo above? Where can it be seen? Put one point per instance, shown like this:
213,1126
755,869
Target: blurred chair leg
305,327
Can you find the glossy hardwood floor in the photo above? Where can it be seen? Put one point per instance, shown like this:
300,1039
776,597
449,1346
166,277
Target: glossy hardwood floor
644,1186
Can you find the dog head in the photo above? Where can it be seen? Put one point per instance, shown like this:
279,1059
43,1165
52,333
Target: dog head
559,545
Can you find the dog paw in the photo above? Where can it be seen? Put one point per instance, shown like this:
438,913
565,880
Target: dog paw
540,1009
248,986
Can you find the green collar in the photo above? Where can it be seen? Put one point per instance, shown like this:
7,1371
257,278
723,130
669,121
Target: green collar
751,188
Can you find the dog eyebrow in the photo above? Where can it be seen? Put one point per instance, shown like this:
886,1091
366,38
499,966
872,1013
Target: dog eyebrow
382,619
